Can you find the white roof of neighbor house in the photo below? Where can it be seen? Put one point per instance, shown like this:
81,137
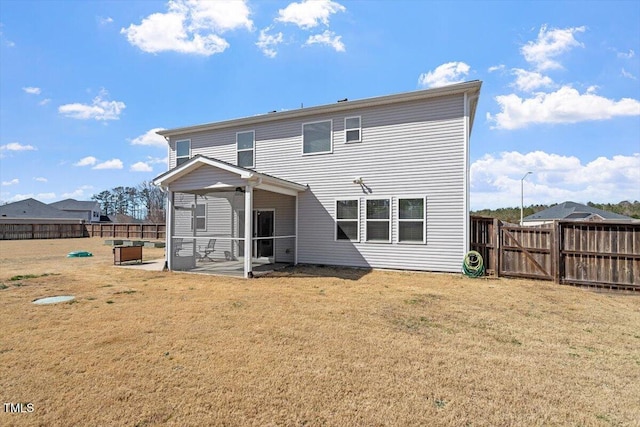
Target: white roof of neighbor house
472,87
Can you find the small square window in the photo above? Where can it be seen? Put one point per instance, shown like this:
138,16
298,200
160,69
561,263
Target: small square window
352,129
183,151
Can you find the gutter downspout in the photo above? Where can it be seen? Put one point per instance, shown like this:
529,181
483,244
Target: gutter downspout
467,136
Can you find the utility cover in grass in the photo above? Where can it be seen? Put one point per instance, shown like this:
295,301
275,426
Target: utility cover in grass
78,254
54,300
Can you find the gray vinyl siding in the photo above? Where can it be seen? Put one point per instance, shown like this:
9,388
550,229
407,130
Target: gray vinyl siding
412,149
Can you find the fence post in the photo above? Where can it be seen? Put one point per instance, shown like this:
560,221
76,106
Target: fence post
496,239
555,251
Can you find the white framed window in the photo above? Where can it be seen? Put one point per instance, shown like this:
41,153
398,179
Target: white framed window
317,137
183,151
200,217
412,219
378,220
352,129
348,220
245,146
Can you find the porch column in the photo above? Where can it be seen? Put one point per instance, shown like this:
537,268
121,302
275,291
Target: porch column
295,252
169,230
248,230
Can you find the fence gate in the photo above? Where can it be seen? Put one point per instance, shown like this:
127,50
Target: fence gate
526,252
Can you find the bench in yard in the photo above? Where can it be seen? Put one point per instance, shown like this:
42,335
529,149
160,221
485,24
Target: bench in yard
127,253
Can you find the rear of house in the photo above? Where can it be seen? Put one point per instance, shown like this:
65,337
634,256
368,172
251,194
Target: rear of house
378,183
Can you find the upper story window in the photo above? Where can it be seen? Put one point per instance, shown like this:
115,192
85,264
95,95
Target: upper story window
245,144
316,137
183,151
347,220
411,220
378,227
352,129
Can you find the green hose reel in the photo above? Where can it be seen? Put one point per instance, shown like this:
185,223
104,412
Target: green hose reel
473,264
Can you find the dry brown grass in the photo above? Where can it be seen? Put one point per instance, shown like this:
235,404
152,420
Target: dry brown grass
312,346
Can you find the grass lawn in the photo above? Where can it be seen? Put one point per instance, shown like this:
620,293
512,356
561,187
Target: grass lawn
307,347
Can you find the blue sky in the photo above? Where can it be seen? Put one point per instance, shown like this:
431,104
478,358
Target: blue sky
84,85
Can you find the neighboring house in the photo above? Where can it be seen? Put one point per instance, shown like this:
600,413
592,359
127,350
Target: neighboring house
89,211
34,209
568,211
378,183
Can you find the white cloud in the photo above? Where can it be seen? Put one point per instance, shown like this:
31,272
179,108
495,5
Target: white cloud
6,41
445,74
190,26
157,160
328,38
530,80
32,90
151,138
109,164
78,193
628,75
140,167
627,55
496,68
44,101
16,146
100,109
566,105
40,179
549,45
86,161
268,42
12,182
496,180
105,21
309,13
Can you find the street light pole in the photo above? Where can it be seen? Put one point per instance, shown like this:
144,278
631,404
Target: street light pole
522,195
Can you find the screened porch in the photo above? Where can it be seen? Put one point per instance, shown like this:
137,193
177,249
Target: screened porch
223,219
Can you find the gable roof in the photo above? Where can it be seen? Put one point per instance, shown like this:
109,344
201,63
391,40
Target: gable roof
572,210
32,208
75,205
259,180
472,87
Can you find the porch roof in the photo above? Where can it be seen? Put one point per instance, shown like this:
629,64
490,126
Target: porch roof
258,180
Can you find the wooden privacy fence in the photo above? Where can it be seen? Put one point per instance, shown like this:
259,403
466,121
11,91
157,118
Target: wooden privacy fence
603,254
23,231
128,231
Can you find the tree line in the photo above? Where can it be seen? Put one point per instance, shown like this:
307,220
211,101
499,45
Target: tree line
144,202
512,215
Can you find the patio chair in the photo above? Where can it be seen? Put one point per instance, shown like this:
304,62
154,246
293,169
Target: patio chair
208,250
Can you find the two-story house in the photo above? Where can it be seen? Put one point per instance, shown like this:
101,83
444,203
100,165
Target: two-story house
377,183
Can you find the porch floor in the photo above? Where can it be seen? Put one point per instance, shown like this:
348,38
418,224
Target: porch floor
236,267
220,268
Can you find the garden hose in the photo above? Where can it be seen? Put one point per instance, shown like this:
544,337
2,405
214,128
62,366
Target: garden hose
473,265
